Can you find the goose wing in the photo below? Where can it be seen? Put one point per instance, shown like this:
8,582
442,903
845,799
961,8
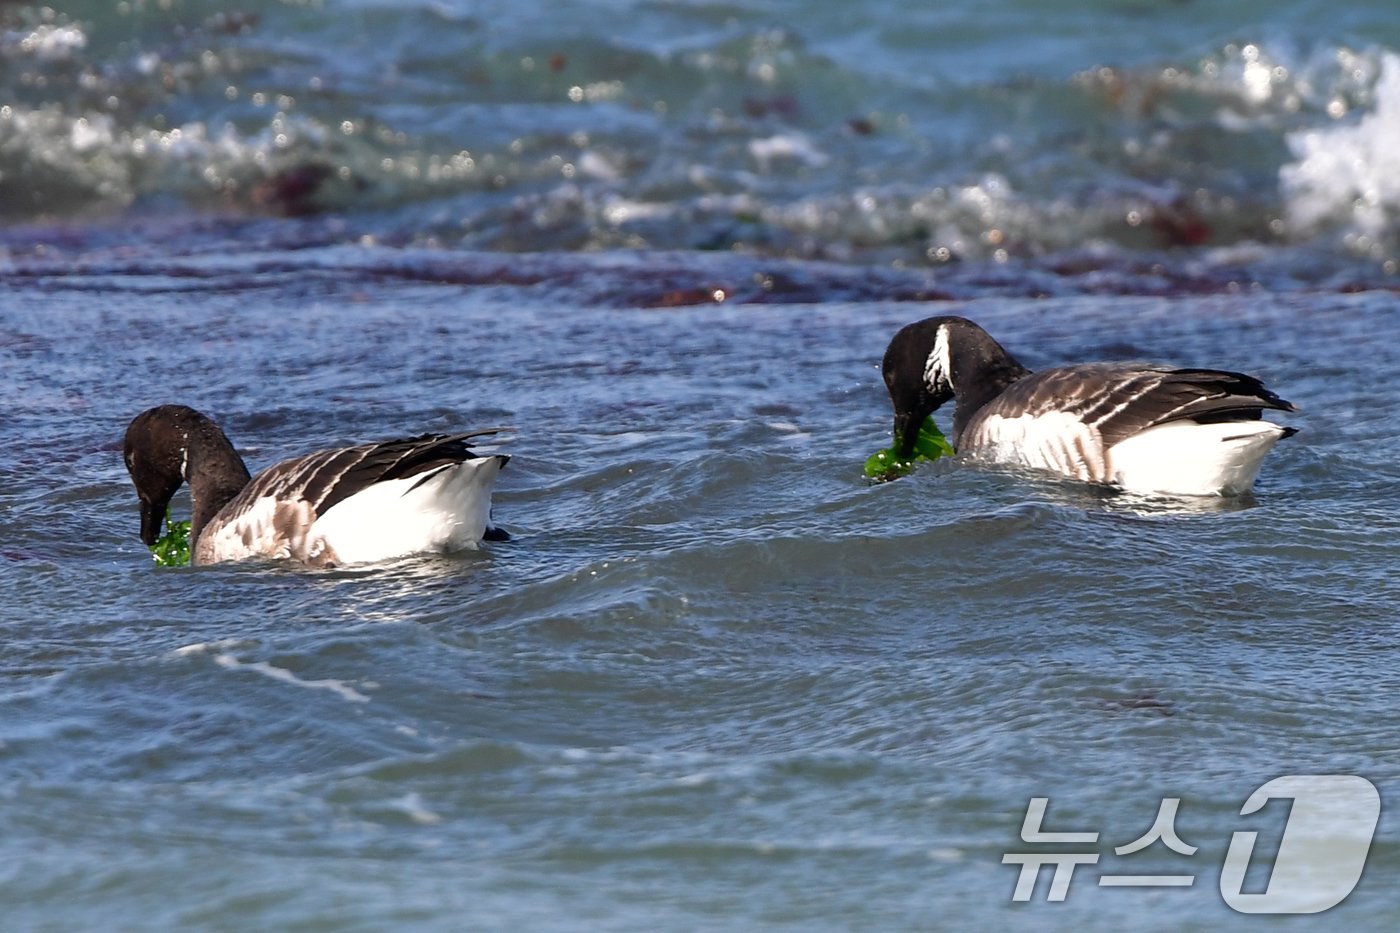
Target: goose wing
1067,419
1118,400
275,512
327,477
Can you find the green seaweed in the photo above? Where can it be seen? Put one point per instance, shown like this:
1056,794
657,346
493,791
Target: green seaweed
172,549
929,445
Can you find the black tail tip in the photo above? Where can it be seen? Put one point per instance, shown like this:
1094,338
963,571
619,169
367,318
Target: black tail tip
493,533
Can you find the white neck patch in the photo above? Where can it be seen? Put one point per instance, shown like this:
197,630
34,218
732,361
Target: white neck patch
938,369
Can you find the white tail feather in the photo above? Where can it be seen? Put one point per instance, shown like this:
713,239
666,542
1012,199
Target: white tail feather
1184,458
449,511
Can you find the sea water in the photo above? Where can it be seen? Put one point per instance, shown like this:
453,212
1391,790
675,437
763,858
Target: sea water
716,679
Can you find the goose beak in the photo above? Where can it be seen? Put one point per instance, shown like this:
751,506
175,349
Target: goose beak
906,432
152,518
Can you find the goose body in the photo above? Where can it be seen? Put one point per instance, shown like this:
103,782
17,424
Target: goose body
1141,427
346,505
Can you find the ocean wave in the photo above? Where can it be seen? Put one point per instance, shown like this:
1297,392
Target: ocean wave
1347,177
428,126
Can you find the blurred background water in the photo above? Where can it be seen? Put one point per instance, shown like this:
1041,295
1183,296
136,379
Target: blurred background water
716,680
1084,134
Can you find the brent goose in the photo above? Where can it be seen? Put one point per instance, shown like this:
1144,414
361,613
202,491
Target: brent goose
1137,426
339,506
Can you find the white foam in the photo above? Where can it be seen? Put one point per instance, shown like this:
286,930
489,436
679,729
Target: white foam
412,806
593,165
1349,173
338,687
223,645
793,431
786,147
47,43
222,652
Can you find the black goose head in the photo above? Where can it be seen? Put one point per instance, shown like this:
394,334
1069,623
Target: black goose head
938,359
169,444
155,451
